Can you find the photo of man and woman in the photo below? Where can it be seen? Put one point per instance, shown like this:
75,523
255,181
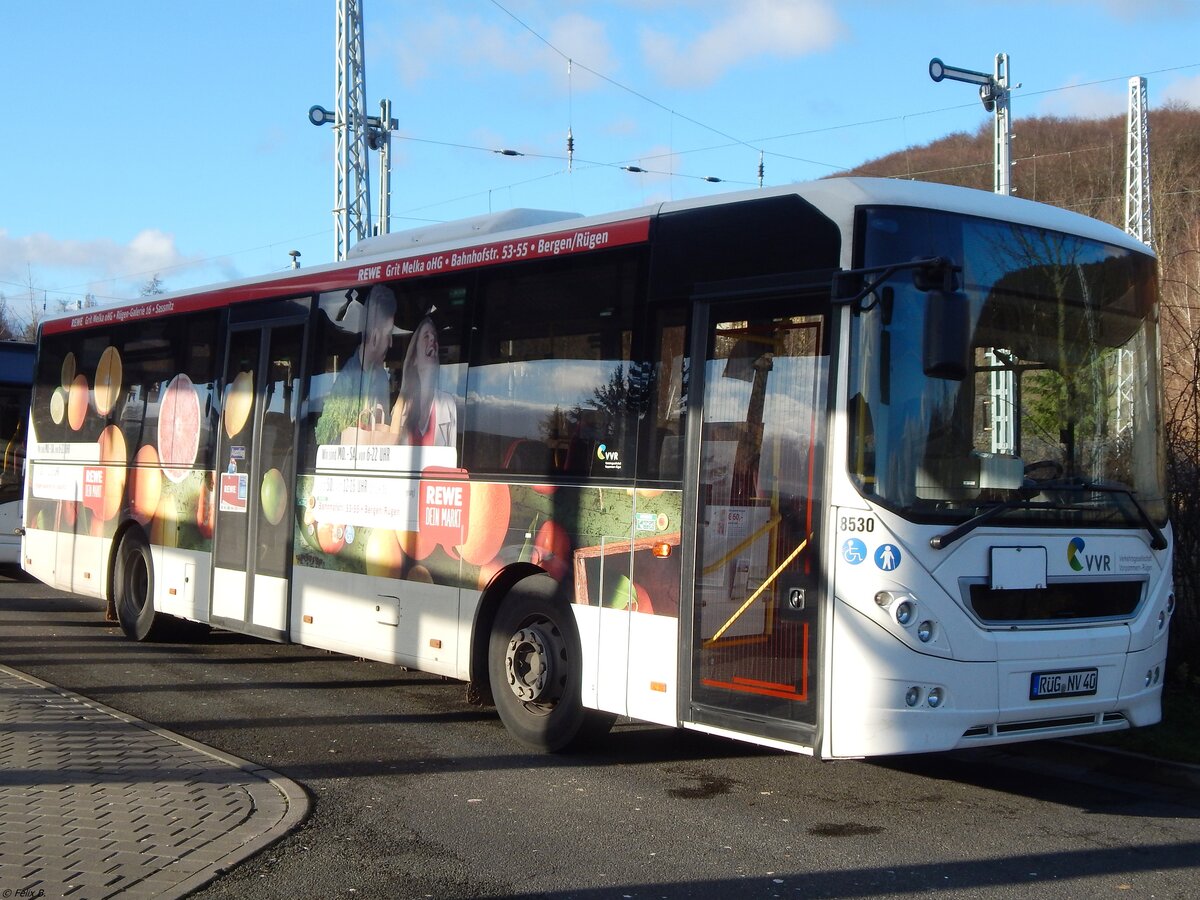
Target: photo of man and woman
377,396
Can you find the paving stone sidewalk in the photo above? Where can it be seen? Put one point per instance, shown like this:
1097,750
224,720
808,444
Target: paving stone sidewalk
95,804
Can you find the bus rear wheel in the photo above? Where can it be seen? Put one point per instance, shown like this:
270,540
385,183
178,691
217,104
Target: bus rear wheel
534,659
133,589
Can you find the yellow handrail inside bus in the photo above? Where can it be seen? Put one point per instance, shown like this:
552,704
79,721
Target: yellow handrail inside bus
762,587
712,567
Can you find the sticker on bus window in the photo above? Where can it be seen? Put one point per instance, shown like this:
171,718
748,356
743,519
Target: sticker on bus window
234,490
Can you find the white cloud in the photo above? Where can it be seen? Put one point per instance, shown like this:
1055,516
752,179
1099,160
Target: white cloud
1183,90
103,266
1088,101
502,45
753,28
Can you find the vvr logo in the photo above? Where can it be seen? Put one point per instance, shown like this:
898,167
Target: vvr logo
1092,562
610,458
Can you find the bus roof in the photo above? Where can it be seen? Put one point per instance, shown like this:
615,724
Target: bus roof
432,248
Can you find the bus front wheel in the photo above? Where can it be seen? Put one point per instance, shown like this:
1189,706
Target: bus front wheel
133,588
534,659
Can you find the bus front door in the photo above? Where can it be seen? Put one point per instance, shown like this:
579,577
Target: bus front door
255,474
756,442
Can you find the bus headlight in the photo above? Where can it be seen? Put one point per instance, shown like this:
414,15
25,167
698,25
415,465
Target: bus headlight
925,632
905,612
913,696
935,698
884,598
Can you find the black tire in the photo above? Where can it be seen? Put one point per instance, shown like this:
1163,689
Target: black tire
133,589
534,659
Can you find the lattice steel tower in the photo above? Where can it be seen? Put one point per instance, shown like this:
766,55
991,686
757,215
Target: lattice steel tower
1137,163
354,133
1137,224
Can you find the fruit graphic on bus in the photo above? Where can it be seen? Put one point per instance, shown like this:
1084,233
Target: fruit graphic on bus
273,495
108,380
383,553
487,523
146,488
552,549
58,405
77,402
624,594
205,508
331,538
178,428
113,457
165,528
238,403
67,375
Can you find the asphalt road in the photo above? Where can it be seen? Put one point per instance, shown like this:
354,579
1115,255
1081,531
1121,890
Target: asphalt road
418,794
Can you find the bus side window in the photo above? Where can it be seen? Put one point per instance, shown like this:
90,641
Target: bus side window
661,453
551,380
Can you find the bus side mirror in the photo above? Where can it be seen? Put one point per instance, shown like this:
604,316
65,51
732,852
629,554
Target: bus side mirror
947,350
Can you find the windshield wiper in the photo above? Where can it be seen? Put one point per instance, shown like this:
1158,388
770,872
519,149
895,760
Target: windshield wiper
1158,540
941,541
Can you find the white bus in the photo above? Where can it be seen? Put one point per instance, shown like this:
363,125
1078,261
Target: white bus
849,468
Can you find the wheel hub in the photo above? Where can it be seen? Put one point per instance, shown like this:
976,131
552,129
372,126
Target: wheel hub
529,663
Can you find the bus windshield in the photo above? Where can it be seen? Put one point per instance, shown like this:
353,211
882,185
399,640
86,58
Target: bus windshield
1057,420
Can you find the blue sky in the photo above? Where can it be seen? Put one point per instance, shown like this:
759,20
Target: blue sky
145,137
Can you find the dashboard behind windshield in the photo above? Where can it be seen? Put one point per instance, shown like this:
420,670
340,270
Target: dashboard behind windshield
1061,404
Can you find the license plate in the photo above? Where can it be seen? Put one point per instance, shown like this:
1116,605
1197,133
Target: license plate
1071,683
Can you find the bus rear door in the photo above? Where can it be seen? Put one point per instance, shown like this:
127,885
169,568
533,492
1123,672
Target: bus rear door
255,474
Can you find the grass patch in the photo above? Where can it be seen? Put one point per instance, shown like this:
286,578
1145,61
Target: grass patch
1176,737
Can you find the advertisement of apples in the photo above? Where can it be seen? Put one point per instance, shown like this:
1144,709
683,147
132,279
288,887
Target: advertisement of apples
449,528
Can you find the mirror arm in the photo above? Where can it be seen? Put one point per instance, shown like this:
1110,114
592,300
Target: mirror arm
848,287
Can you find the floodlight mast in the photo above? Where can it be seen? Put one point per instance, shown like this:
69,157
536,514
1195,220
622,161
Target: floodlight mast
994,93
354,133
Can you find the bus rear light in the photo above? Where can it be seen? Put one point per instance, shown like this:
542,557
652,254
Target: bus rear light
661,550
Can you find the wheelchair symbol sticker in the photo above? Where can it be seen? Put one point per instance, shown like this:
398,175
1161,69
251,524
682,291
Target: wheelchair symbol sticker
887,557
854,551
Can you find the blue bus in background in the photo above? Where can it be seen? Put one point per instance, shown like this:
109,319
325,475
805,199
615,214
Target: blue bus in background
16,382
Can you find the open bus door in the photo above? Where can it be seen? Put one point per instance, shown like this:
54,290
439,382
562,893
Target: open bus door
757,417
256,475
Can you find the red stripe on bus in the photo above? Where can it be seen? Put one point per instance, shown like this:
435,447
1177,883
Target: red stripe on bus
539,246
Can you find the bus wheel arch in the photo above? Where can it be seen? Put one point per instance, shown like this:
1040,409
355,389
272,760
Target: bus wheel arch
535,668
485,616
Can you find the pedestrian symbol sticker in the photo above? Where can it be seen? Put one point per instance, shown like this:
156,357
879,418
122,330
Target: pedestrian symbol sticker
854,551
887,557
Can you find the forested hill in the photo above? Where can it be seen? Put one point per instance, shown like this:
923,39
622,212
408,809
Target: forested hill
1077,164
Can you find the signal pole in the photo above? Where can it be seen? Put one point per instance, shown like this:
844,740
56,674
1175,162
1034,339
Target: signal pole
994,94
